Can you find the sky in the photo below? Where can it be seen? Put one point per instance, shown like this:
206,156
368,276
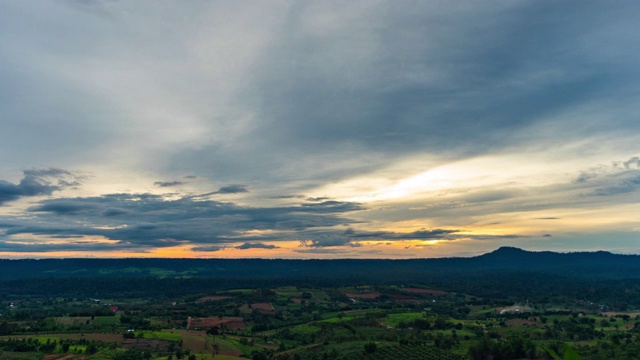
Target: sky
318,129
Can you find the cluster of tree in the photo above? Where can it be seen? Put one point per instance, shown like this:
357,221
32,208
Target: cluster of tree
6,328
34,345
602,277
135,322
27,345
503,349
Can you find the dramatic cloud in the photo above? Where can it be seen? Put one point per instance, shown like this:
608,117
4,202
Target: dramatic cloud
633,163
328,241
625,185
168,183
248,245
619,177
322,124
229,189
146,220
36,183
211,248
232,189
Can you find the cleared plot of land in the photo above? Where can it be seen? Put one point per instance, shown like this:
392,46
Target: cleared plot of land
213,298
231,323
154,345
72,321
514,309
616,313
374,295
195,340
62,357
202,344
425,291
263,307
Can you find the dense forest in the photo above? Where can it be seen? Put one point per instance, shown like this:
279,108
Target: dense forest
508,304
602,276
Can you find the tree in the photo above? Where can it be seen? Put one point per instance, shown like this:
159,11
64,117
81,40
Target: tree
256,355
370,347
213,331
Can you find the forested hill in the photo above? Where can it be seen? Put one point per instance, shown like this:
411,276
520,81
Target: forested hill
602,265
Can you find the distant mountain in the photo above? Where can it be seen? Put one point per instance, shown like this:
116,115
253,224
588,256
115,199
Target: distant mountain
599,263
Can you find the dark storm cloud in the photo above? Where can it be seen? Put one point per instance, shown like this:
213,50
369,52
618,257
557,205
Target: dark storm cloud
249,245
37,182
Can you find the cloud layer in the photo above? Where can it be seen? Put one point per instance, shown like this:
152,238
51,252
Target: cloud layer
221,126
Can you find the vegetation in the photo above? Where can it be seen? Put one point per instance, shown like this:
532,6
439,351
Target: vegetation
460,315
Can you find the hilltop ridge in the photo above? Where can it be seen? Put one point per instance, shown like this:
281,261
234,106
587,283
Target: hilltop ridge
599,264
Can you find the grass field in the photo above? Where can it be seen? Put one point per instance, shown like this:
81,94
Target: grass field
196,341
304,329
337,319
395,319
226,346
106,320
288,291
160,335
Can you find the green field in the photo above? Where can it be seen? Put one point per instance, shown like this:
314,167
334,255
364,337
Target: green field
395,319
160,335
